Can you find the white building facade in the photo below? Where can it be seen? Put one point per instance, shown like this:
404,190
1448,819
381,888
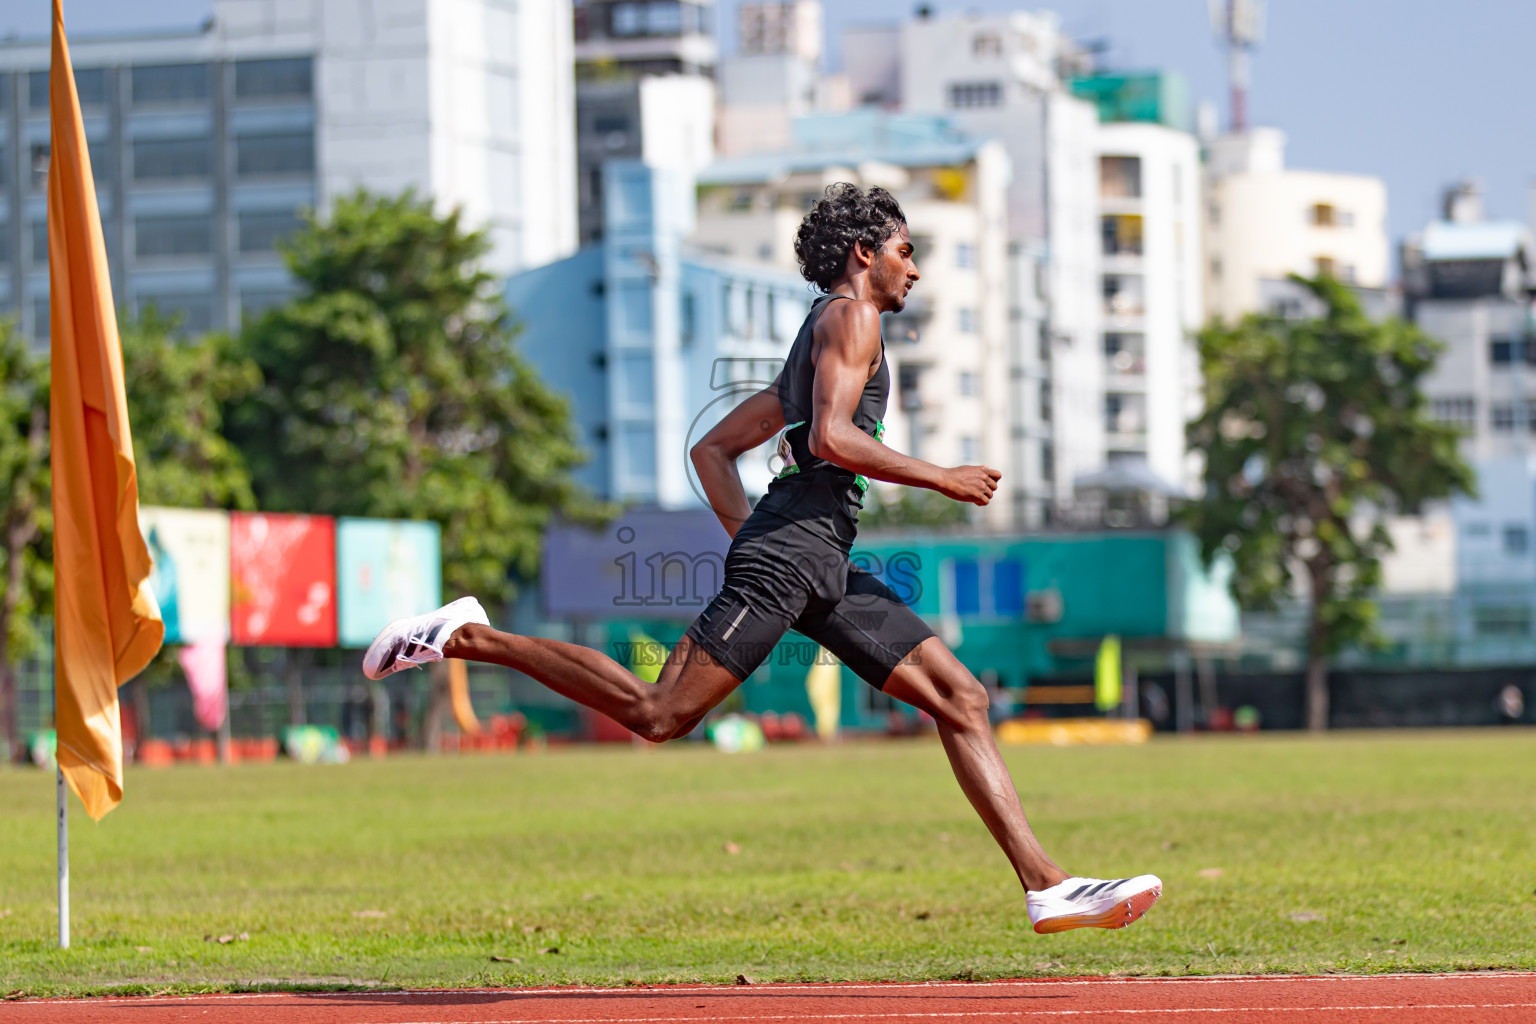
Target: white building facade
1001,77
1149,221
206,145
1264,221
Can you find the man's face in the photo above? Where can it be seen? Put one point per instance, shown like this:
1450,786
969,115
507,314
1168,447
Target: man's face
892,272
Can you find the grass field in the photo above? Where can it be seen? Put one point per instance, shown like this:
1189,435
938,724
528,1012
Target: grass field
1364,852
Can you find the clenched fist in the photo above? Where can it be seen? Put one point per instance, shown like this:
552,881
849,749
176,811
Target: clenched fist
975,484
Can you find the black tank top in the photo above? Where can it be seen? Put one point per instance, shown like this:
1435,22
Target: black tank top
808,487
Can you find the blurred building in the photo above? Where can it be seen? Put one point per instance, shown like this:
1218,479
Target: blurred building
206,145
775,77
953,399
652,341
1005,77
644,91
1469,281
1149,229
1264,221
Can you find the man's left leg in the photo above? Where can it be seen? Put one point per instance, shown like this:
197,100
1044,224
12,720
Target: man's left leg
932,679
874,633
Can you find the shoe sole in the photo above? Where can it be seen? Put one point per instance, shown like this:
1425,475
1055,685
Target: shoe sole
1118,915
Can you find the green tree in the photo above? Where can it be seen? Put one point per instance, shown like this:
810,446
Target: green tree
913,507
392,387
1314,431
25,512
177,392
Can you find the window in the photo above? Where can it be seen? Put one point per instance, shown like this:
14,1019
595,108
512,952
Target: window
1047,461
1508,351
261,230
274,154
968,384
968,450
1120,177
172,234
171,159
686,317
1121,234
40,240
1125,353
1047,408
1347,273
1477,530
1344,218
606,124
1461,412
1502,414
965,255
988,587
286,78
192,311
652,18
170,84
967,320
1502,620
1123,295
1517,540
1321,215
987,44
5,247
1327,266
975,94
90,86
40,315
909,384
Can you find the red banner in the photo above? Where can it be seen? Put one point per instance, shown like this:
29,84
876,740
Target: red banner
283,573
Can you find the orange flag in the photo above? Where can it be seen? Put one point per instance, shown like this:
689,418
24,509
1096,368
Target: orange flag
106,623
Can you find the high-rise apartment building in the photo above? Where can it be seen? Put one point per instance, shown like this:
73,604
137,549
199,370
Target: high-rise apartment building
1002,77
1149,232
206,145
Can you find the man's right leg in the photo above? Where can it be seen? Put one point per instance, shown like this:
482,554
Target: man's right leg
691,682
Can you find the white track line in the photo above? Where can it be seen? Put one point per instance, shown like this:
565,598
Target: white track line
979,1014
830,988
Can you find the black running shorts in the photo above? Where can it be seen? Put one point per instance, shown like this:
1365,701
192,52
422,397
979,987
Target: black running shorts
780,576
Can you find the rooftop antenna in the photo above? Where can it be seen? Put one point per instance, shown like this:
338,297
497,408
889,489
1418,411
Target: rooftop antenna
1239,25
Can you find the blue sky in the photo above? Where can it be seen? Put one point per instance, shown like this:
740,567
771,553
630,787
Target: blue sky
1420,92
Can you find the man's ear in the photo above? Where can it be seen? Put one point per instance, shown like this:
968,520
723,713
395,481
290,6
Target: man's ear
862,253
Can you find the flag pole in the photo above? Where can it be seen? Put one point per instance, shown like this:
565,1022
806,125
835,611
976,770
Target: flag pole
63,860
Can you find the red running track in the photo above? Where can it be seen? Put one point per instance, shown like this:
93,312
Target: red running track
1379,999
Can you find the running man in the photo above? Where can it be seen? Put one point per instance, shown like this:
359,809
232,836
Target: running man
788,565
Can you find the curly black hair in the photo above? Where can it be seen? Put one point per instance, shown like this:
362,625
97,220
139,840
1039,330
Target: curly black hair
845,214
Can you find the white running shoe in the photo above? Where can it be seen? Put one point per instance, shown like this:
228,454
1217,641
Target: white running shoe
1092,903
419,639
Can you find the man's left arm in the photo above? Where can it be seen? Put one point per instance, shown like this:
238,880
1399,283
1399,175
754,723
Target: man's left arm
714,457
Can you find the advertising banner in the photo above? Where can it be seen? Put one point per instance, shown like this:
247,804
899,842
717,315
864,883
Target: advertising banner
284,580
190,579
386,569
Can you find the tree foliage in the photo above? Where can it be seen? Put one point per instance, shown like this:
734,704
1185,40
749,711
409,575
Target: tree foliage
25,514
1314,431
392,387
912,507
177,391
